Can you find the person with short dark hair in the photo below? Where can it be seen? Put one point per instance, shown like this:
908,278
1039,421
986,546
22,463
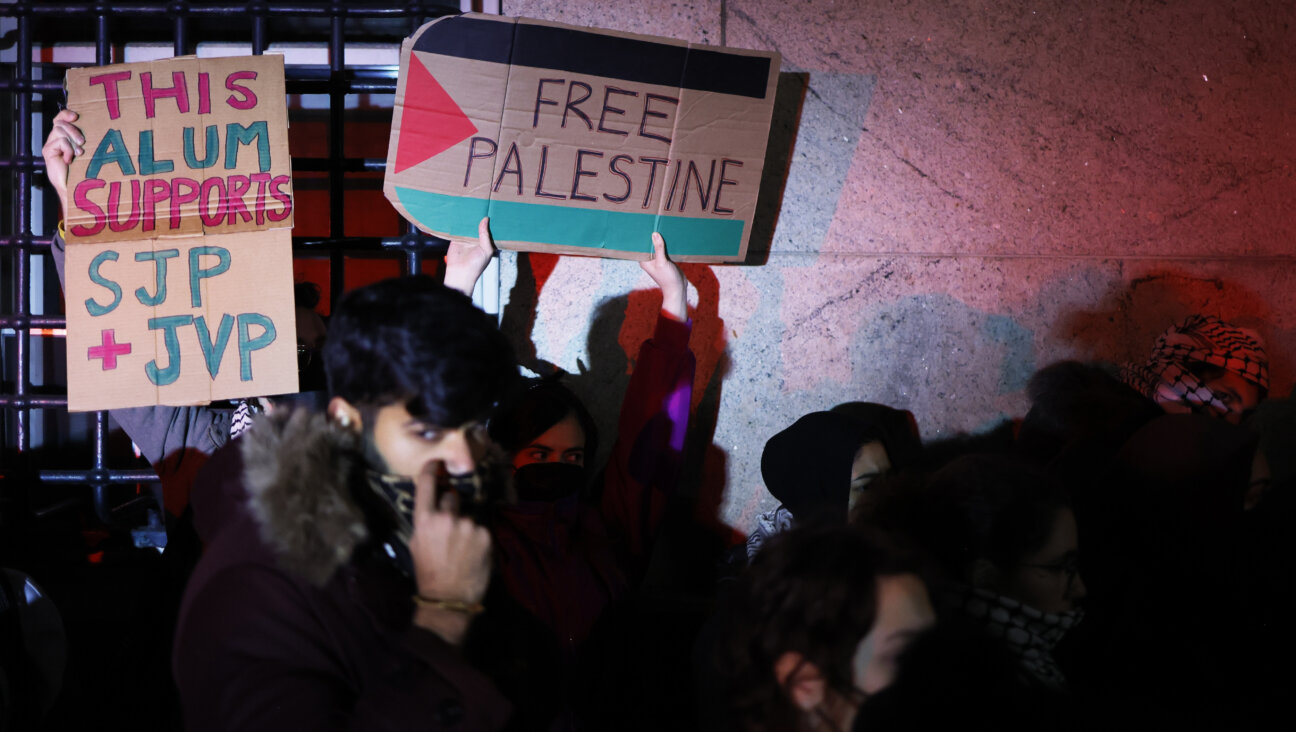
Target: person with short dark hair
1080,406
815,628
338,580
1003,546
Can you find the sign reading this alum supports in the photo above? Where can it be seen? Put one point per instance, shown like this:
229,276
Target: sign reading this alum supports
179,249
579,140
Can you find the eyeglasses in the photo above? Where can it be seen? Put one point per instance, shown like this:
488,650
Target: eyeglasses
1068,565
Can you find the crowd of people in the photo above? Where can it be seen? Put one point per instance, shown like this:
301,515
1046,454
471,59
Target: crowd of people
428,545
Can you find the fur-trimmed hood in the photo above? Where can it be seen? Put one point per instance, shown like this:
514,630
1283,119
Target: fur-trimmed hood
299,468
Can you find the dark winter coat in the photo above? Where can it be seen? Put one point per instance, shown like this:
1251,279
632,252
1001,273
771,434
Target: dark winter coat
294,617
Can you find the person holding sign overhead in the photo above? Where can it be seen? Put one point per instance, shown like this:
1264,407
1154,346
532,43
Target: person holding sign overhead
571,547
234,664
175,440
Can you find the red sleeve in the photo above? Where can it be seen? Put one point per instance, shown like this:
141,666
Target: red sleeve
644,468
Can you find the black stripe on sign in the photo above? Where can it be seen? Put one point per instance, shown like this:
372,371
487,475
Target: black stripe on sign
470,38
597,54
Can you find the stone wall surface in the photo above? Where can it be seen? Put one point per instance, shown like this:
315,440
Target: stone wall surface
974,190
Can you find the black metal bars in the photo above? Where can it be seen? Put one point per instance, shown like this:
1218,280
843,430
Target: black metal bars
108,26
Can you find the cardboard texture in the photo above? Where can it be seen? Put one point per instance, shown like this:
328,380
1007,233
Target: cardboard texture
579,140
179,244
208,333
181,147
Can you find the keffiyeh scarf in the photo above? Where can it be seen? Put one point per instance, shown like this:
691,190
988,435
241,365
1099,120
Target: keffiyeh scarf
1168,379
1029,634
243,414
767,525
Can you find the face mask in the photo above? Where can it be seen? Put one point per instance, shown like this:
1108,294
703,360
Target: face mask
548,481
396,494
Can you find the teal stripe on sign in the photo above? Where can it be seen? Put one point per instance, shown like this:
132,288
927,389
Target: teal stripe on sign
534,222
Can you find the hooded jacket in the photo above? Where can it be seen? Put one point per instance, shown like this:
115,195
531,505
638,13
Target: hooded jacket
295,618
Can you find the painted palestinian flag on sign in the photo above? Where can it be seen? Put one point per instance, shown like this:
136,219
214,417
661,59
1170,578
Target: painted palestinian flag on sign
579,140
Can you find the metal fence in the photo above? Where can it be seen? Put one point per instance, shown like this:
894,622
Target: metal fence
44,446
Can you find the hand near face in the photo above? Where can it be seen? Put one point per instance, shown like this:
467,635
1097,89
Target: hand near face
452,558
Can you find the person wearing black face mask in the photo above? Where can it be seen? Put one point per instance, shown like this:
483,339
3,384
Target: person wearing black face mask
568,553
340,577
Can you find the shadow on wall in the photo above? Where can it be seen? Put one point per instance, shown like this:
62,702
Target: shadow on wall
705,466
518,319
619,327
1127,320
950,364
788,101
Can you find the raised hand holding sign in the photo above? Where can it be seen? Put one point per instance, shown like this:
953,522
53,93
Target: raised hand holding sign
178,220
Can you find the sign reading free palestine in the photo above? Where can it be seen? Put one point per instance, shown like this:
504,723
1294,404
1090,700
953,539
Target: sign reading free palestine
578,140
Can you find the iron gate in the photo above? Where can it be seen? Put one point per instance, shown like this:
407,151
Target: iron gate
54,460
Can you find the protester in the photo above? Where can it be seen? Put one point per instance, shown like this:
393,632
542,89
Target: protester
1164,537
571,551
816,627
336,585
1204,365
1080,406
176,441
1002,540
819,467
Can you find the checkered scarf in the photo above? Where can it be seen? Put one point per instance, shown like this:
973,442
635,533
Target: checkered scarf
1027,633
241,420
1168,376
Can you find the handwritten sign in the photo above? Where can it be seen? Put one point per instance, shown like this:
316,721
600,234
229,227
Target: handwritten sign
180,147
179,247
579,140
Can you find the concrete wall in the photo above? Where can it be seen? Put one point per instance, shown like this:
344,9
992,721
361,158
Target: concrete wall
974,190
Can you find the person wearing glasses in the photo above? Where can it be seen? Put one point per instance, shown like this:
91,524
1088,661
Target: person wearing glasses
1003,544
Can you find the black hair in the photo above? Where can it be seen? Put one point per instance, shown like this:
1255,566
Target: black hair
529,414
807,466
996,507
811,590
306,295
1073,401
412,341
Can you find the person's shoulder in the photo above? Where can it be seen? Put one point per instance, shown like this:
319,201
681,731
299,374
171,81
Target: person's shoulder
219,493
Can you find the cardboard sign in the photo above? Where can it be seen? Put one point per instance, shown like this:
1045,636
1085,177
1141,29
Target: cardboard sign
180,147
179,244
180,321
578,140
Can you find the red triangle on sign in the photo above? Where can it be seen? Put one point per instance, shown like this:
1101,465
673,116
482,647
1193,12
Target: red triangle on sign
431,122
